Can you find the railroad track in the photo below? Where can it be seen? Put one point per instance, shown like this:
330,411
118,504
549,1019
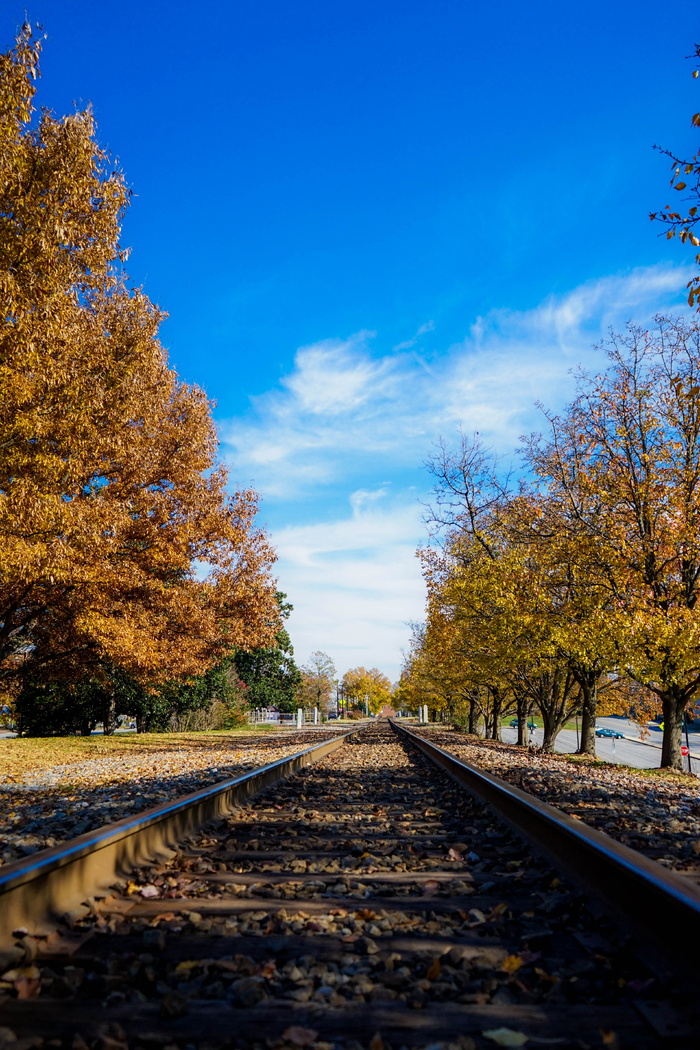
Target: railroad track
366,901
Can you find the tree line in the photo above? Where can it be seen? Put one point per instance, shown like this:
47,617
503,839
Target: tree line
131,582
573,578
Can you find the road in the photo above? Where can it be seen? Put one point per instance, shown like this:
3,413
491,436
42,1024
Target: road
631,751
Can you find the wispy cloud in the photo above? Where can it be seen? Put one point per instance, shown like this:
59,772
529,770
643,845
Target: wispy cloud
340,443
355,581
344,408
408,344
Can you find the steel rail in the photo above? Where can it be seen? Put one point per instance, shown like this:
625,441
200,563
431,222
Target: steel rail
41,889
657,907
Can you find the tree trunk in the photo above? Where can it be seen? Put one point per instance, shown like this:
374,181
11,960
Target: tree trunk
673,704
523,719
588,681
497,708
473,714
551,726
109,720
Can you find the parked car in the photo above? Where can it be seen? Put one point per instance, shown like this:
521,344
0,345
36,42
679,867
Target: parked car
602,731
515,722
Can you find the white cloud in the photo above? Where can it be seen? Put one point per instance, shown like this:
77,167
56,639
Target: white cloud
354,582
334,376
408,344
348,428
343,409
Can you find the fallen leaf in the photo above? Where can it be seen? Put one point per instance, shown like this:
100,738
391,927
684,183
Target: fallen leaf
434,970
512,963
506,1037
299,1036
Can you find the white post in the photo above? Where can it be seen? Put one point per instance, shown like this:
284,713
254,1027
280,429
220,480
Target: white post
300,718
315,716
420,715
425,712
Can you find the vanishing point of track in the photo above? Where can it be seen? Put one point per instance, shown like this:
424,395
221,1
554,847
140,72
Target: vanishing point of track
364,901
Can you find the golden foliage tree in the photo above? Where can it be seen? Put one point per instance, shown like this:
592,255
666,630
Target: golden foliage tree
629,446
110,496
317,681
360,684
509,592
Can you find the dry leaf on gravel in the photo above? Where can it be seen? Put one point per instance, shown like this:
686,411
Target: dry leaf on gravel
298,1036
505,1037
46,803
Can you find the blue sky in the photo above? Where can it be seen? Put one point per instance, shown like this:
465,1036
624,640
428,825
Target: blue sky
371,223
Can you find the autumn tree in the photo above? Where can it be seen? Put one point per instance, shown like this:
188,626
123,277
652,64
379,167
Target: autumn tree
360,684
520,615
435,671
111,502
682,223
318,679
629,446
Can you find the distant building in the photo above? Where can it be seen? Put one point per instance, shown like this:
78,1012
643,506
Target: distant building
387,712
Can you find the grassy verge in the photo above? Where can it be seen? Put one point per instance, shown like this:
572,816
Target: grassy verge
27,754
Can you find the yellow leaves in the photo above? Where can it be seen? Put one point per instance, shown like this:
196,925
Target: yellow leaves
360,683
512,963
25,980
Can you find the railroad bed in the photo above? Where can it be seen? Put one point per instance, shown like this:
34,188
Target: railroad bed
367,901
655,814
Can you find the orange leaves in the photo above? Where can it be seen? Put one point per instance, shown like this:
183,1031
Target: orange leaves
110,499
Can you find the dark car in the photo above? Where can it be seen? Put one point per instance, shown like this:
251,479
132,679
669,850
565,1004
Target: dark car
610,732
515,722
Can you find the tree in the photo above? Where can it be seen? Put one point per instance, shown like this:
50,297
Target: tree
318,677
214,700
110,496
271,675
685,176
629,446
360,684
509,592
